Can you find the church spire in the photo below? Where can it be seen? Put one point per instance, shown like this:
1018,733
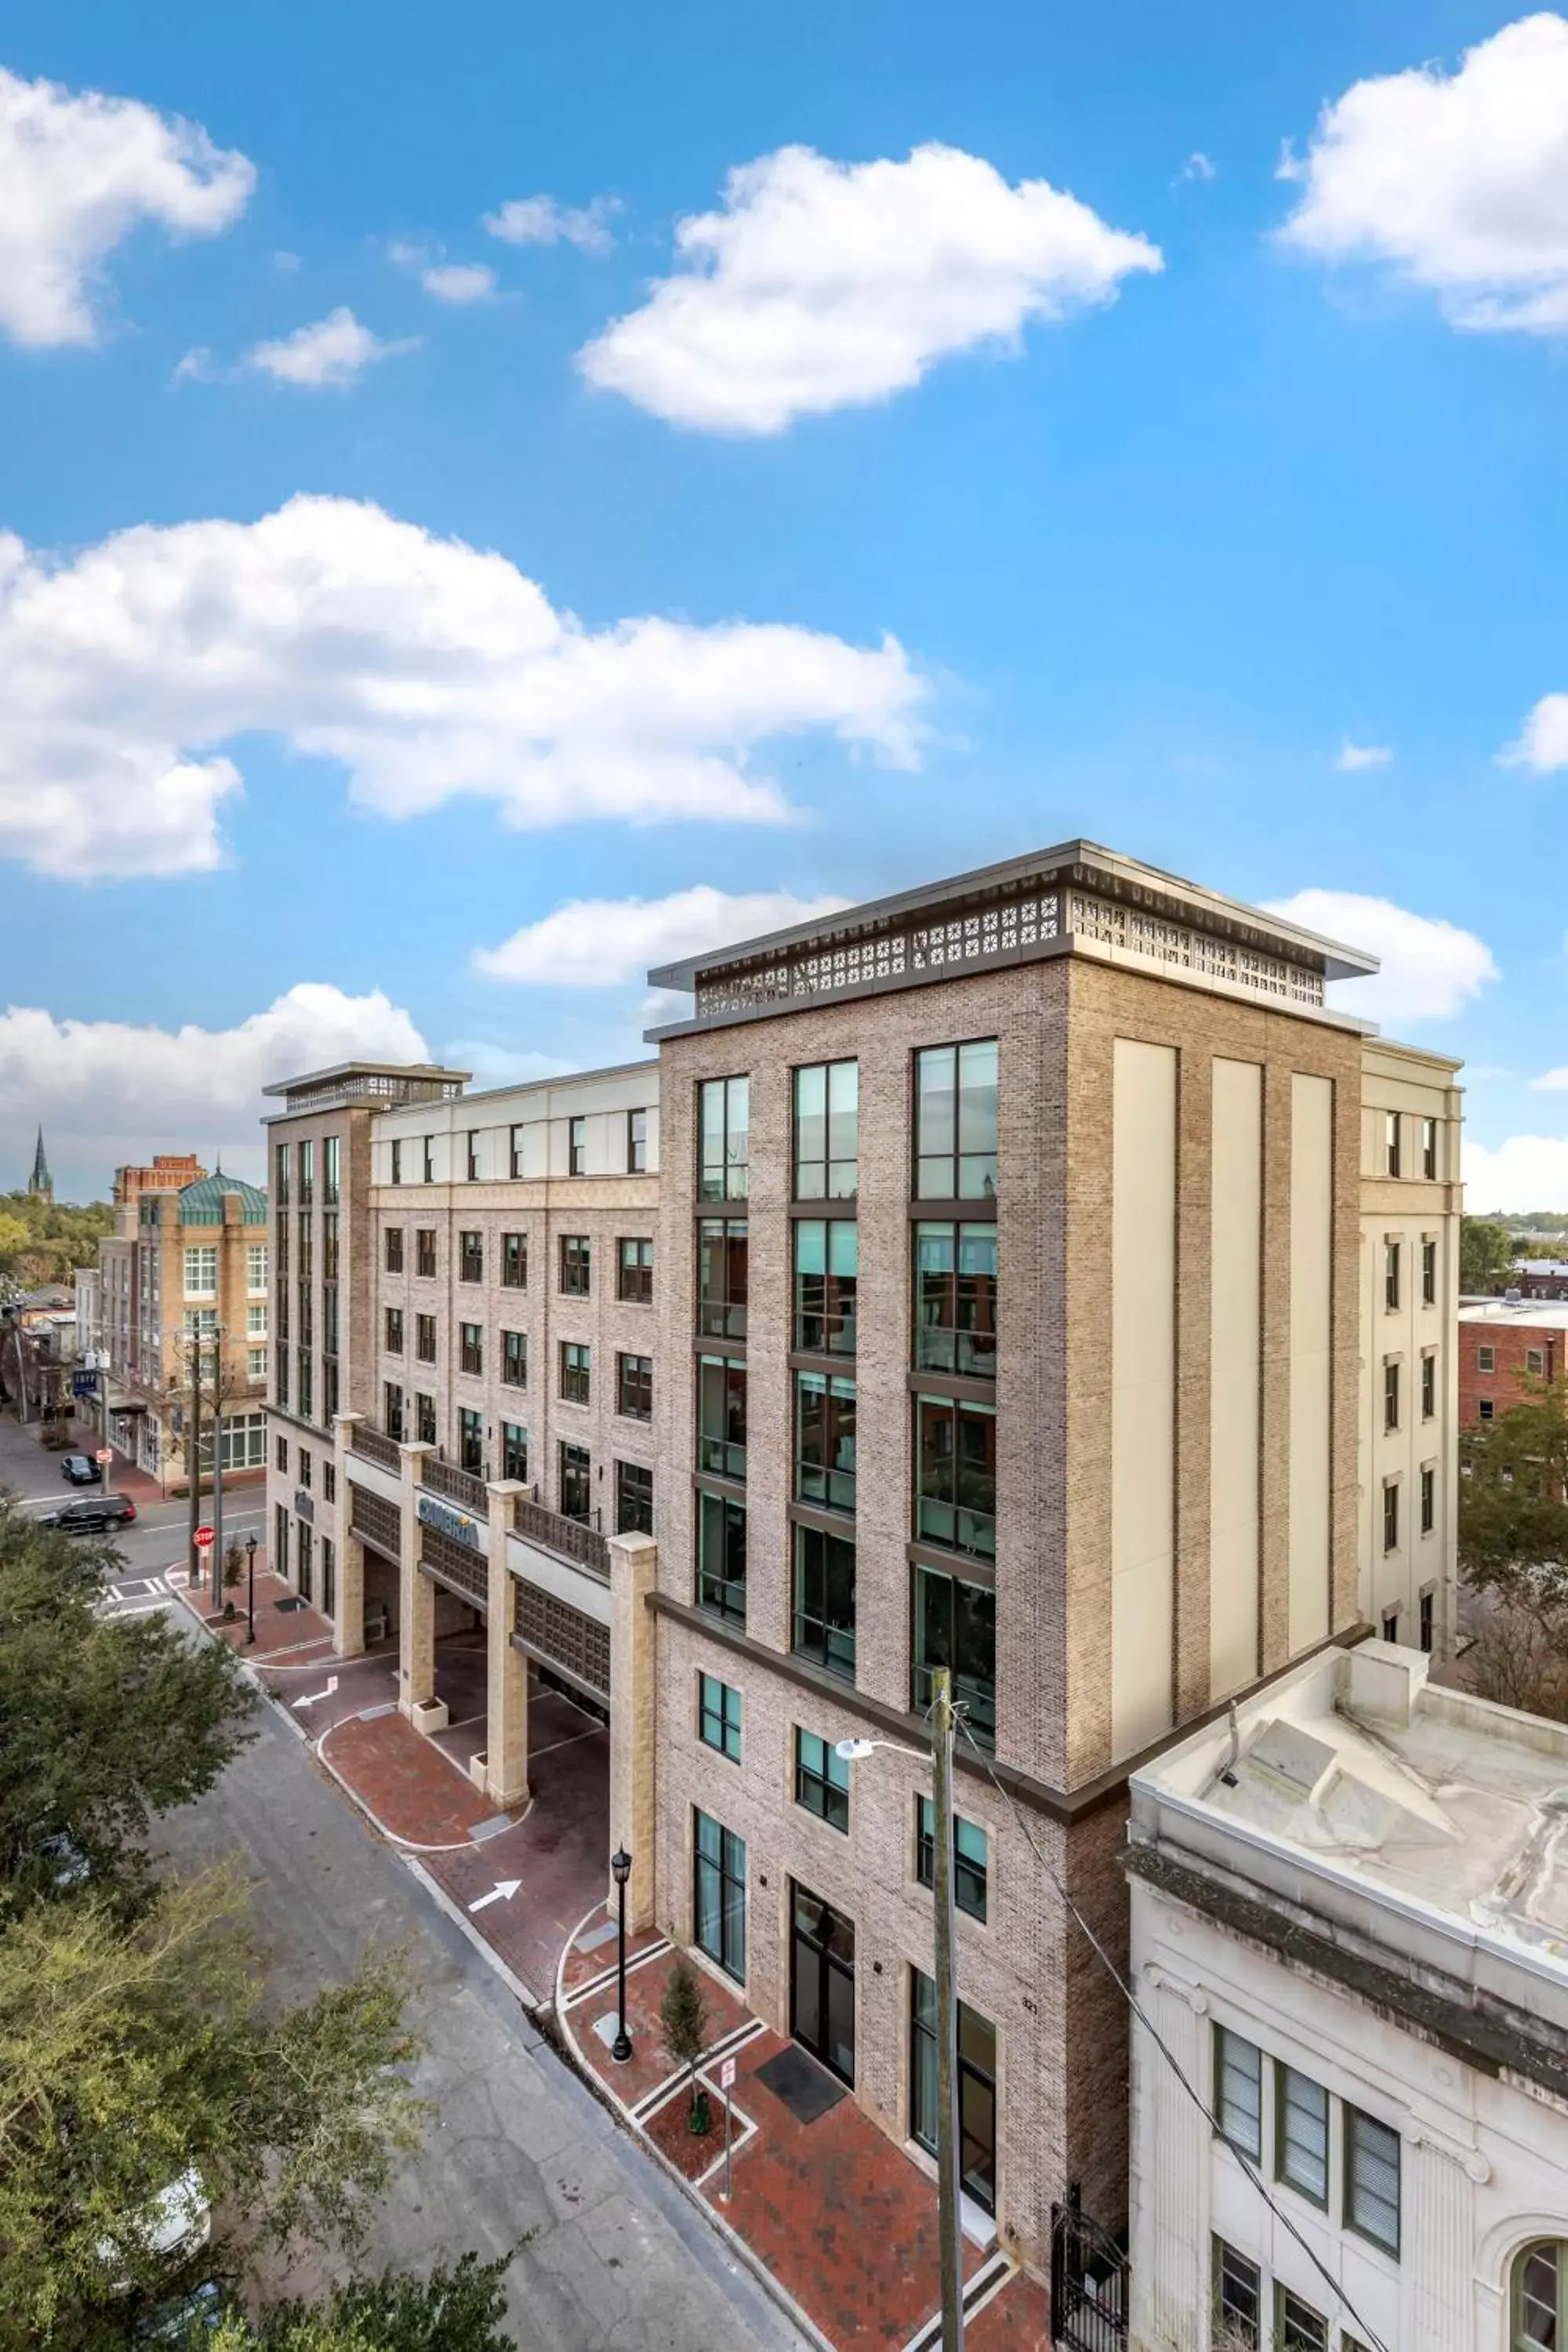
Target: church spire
40,1182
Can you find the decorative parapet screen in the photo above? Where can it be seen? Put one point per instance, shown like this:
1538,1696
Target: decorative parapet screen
1160,941
463,1571
559,1636
374,1520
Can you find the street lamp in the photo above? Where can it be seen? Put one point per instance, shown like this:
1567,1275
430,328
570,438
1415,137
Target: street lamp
251,1586
620,1871
854,1752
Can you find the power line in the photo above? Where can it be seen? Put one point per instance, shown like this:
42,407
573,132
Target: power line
1374,2342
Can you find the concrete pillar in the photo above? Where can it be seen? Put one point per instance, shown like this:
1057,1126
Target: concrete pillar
634,1560
506,1725
348,1624
417,1613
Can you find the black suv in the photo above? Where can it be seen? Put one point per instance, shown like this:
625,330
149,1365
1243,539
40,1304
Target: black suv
90,1514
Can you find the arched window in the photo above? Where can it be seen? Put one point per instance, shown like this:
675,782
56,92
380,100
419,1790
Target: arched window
1540,2313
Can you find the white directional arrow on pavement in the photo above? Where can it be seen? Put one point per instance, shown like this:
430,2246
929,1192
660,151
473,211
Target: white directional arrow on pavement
310,1701
501,1891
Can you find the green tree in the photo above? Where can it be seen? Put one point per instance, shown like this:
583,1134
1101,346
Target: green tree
135,2052
1487,1253
683,2025
45,1241
1514,1499
104,1722
459,2308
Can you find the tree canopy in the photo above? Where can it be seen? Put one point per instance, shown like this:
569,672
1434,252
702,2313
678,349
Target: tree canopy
456,2309
1487,1253
44,1241
1513,1497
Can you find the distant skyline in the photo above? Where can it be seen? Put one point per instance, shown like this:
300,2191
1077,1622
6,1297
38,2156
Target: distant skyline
491,503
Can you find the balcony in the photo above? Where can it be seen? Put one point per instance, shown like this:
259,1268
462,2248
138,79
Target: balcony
567,1538
459,1486
371,1443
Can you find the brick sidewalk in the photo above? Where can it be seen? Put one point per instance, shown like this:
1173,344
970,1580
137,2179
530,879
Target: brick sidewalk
283,1622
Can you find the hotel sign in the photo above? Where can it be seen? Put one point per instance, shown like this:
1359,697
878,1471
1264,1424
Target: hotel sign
449,1520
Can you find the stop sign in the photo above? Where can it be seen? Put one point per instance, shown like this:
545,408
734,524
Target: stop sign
104,1457
204,1538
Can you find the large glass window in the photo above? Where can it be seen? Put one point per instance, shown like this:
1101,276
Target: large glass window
723,1138
721,1277
955,1473
280,1162
971,1857
825,1440
1372,2180
719,1717
1238,2090
471,1441
827,1130
826,1262
955,1626
633,1270
1302,2132
721,1416
821,1781
307,1172
824,1600
514,1450
955,1299
633,1499
976,2088
576,1483
718,1896
332,1170
955,1122
722,1557
201,1272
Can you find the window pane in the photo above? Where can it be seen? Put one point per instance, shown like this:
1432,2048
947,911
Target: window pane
1303,2133
1237,2293
1238,2090
1372,2180
1537,2294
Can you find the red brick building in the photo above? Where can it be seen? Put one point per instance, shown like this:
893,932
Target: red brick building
1502,1347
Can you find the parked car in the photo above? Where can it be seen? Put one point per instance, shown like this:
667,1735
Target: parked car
80,1469
66,1865
176,2223
91,1515
188,2317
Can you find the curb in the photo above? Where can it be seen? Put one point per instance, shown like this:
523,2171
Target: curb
394,1837
531,2001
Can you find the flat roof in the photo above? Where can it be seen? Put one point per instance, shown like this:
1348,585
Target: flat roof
335,1073
1530,1314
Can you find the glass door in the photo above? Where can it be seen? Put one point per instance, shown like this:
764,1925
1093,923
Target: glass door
822,1982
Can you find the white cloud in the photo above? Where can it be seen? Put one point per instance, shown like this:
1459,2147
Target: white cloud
822,285
335,351
1543,743
540,220
1198,166
458,281
198,366
1550,1082
604,943
112,1087
1459,182
1351,758
1430,969
489,1065
78,171
1526,1172
426,668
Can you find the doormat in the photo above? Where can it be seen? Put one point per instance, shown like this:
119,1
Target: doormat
293,1601
807,2089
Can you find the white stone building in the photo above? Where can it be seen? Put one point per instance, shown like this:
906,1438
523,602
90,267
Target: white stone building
1350,1930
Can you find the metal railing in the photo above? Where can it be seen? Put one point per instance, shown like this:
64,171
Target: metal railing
569,1538
375,1447
458,1486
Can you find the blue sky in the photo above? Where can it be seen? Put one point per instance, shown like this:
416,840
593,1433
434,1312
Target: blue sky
1154,554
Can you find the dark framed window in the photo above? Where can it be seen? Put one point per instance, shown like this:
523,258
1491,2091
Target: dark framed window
955,1474
1391,1282
721,1416
1297,2327
514,1261
1428,1274
328,1482
396,1160
1429,1147
471,1441
1391,1396
393,1336
307,1172
827,1130
576,1483
1372,2180
1428,1509
514,1358
722,1557
514,1450
304,1370
471,1348
514,1150
1426,1607
576,1264
329,1577
954,1626
280,1162
470,1257
821,1781
1238,2091
329,1245
305,1469
718,1715
424,1417
1237,2295
634,1387
329,1390
424,1251
280,1376
471,1156
723,1138
718,1894
280,1539
634,1269
955,1299
577,1147
721,1272
824,1626
429,1142
1391,1515
394,1242
280,1450
1538,2298
637,1142
826,1268
392,1408
425,1338
575,1371
970,1858
1302,2132
955,1121
1428,1388
1391,1143
633,1499
332,1170
976,2088
825,1440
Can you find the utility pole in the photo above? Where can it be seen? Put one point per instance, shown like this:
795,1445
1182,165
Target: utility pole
948,2186
194,1453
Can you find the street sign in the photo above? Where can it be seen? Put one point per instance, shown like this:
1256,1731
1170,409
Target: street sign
204,1538
104,1457
727,2076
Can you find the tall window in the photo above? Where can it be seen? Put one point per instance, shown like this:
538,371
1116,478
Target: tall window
633,1270
970,1858
827,1266
514,1150
470,1257
332,1170
1429,1147
514,1261
825,1440
1238,2091
201,1272
471,1441
280,1165
823,1625
1238,2294
955,1122
329,1245
633,1499
722,1557
1372,2180
576,1483
955,1299
721,1416
955,1472
471,1156
575,1371
577,1147
1390,1285
1429,1273
722,1245
425,1338
1391,1396
424,1418
394,1339
718,1896
1391,1515
576,1264
396,1157
719,1717
307,1172
637,1142
723,1138
1428,1388
280,1539
329,1569
1297,2327
821,1781
256,1266
471,1348
424,1251
392,1408
827,1130
634,1387
514,1358
256,1321
1302,2132
1391,1142
1428,1513
514,1450
1538,2299
304,1370
427,1159
976,2088
954,1626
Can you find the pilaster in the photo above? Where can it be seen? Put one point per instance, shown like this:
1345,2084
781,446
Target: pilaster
505,1728
417,1615
634,1565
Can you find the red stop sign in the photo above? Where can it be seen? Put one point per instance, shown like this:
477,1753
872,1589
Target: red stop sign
204,1538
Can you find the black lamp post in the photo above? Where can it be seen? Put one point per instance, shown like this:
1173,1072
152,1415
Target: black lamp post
250,1588
620,1871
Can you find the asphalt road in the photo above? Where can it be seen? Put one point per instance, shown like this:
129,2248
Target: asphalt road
518,2148
157,1536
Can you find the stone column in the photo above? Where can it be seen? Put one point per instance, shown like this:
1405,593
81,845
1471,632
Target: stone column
506,1728
348,1626
633,1561
417,1613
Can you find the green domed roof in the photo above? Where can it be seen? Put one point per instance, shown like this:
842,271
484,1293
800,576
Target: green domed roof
201,1204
